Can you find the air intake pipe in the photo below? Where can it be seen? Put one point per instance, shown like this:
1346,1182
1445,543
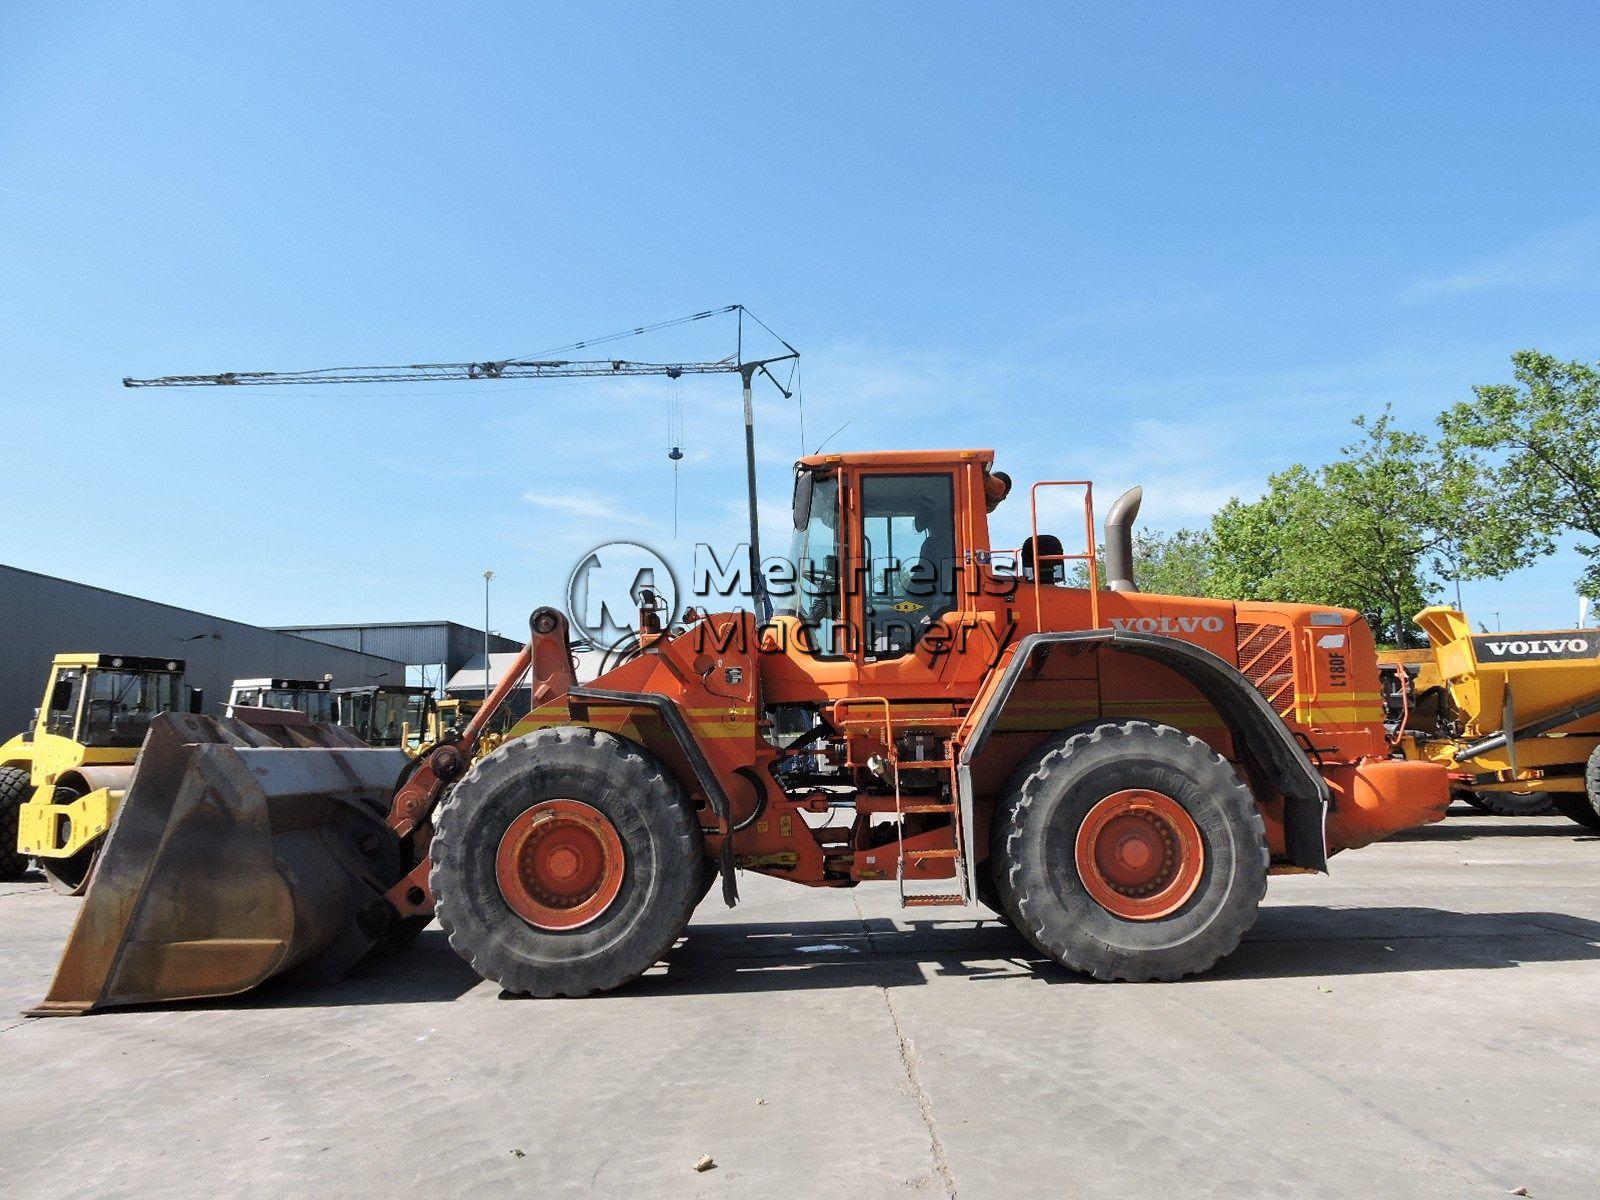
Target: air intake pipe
1119,541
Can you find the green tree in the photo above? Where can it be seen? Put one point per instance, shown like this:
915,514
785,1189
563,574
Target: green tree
1173,564
1170,564
1534,446
1379,530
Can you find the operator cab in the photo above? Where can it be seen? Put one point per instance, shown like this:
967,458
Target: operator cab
109,700
312,697
883,546
386,714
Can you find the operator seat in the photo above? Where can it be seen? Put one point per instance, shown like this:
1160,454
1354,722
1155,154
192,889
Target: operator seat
1051,570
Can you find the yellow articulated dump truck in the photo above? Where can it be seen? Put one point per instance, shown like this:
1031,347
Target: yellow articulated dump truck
61,779
1514,716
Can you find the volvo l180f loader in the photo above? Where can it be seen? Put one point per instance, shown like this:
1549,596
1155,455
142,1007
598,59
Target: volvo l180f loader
1116,773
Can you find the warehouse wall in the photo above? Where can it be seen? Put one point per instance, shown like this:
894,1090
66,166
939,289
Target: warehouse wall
41,616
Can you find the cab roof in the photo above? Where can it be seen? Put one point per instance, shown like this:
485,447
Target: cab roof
284,685
120,662
896,458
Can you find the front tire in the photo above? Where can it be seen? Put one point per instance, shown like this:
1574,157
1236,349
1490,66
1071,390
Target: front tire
1131,851
15,788
566,862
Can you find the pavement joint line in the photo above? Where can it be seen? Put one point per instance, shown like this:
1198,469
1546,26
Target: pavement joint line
908,1062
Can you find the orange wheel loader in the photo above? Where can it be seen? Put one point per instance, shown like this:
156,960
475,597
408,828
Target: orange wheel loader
1114,773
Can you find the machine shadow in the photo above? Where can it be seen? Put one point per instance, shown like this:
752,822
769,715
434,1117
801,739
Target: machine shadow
723,957
1465,824
1289,941
426,972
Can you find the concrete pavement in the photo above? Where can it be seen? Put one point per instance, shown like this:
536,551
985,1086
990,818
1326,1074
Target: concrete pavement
1426,1022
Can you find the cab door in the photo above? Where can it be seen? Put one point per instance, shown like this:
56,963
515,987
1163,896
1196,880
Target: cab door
908,564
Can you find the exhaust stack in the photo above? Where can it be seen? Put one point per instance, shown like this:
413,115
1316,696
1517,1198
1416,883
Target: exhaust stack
1119,541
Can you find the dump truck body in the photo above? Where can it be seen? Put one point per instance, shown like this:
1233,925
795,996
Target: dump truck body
1511,712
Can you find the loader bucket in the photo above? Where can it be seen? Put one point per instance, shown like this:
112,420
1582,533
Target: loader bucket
239,853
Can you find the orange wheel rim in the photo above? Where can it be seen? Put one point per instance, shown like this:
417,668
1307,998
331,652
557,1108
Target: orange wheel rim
560,864
1139,854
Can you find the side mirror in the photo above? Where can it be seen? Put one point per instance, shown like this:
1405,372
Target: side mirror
61,695
803,483
197,698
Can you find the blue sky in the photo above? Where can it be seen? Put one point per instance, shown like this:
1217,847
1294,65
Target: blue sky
1173,244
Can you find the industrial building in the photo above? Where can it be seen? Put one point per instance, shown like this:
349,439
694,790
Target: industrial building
41,616
433,650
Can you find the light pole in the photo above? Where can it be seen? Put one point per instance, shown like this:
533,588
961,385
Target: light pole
487,576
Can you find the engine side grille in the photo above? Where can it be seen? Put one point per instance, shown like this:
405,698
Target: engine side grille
1266,659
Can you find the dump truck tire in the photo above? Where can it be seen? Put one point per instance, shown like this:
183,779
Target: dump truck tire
1579,808
1583,807
1513,804
15,788
567,862
1132,852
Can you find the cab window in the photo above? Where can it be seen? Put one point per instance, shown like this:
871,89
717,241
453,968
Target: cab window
908,533
815,555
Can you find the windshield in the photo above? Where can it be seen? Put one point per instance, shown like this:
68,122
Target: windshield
815,555
121,704
389,713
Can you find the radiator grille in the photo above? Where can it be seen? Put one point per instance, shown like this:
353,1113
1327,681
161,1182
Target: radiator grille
1266,659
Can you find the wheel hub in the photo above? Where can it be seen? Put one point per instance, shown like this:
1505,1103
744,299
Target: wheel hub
1139,854
560,864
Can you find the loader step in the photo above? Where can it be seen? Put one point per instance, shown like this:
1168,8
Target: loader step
940,853
939,898
929,808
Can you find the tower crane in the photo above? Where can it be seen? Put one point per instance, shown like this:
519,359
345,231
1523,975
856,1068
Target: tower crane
546,367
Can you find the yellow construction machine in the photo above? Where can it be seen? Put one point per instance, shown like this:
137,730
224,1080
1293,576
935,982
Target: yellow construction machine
388,714
62,779
1515,717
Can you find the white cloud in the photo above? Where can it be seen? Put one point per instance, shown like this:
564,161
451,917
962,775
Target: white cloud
587,506
1564,260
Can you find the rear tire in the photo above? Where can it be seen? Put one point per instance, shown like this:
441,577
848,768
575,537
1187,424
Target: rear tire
1583,807
643,819
1513,804
15,788
1177,902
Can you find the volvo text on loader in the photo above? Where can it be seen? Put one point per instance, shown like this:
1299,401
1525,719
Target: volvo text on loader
1115,773
62,778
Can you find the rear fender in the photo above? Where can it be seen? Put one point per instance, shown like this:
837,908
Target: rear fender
1276,762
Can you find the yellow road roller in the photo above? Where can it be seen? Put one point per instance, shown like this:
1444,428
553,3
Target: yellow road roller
62,778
